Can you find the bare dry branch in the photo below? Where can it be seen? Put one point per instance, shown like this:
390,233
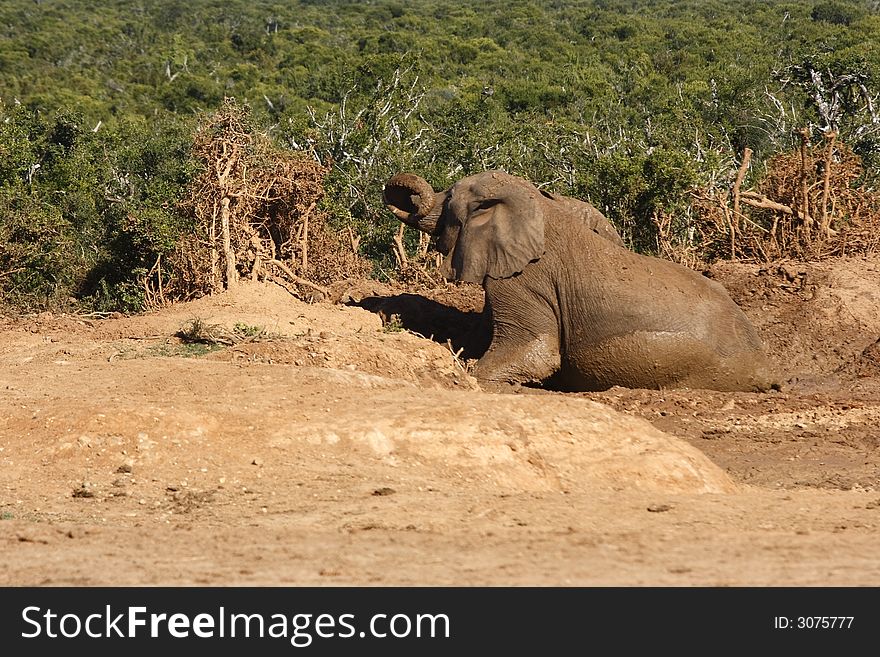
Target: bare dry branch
297,279
399,250
826,184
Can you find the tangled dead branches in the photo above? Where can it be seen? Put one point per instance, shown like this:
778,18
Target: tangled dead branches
809,205
257,217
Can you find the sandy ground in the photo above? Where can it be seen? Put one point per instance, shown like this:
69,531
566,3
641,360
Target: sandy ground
345,443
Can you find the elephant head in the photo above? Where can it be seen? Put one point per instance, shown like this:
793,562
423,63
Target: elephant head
489,224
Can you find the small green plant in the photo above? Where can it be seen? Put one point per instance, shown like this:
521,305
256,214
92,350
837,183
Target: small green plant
6,515
393,325
248,331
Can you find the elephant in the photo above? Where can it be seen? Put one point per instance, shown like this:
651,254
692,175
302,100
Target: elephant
571,307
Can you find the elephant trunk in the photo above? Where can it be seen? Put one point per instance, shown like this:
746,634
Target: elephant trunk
412,200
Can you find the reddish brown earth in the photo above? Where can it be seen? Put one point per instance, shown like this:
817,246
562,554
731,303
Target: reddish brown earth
325,448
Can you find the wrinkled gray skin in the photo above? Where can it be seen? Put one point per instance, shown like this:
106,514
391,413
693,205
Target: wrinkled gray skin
569,303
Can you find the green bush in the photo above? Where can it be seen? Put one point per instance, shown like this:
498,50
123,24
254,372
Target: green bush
84,214
836,13
148,169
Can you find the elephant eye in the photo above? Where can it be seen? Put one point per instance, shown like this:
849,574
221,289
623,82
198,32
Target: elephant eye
486,203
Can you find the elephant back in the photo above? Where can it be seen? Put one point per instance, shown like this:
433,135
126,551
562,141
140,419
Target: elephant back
586,212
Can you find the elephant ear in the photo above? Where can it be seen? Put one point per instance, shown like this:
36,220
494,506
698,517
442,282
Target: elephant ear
500,235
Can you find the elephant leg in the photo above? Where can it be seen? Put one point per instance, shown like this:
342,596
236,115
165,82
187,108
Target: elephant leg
654,359
521,358
525,345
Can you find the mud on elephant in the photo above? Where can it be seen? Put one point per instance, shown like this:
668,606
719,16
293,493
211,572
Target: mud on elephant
570,305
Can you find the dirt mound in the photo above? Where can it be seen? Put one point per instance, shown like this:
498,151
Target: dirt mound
265,324
866,364
818,319
160,421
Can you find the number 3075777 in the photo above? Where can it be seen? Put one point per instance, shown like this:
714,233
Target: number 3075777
813,622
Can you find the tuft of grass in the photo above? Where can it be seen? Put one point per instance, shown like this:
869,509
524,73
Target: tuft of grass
198,331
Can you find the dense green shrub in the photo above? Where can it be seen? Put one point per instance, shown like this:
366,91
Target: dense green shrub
837,13
85,213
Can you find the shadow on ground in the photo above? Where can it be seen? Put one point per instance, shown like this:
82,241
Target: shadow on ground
463,330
